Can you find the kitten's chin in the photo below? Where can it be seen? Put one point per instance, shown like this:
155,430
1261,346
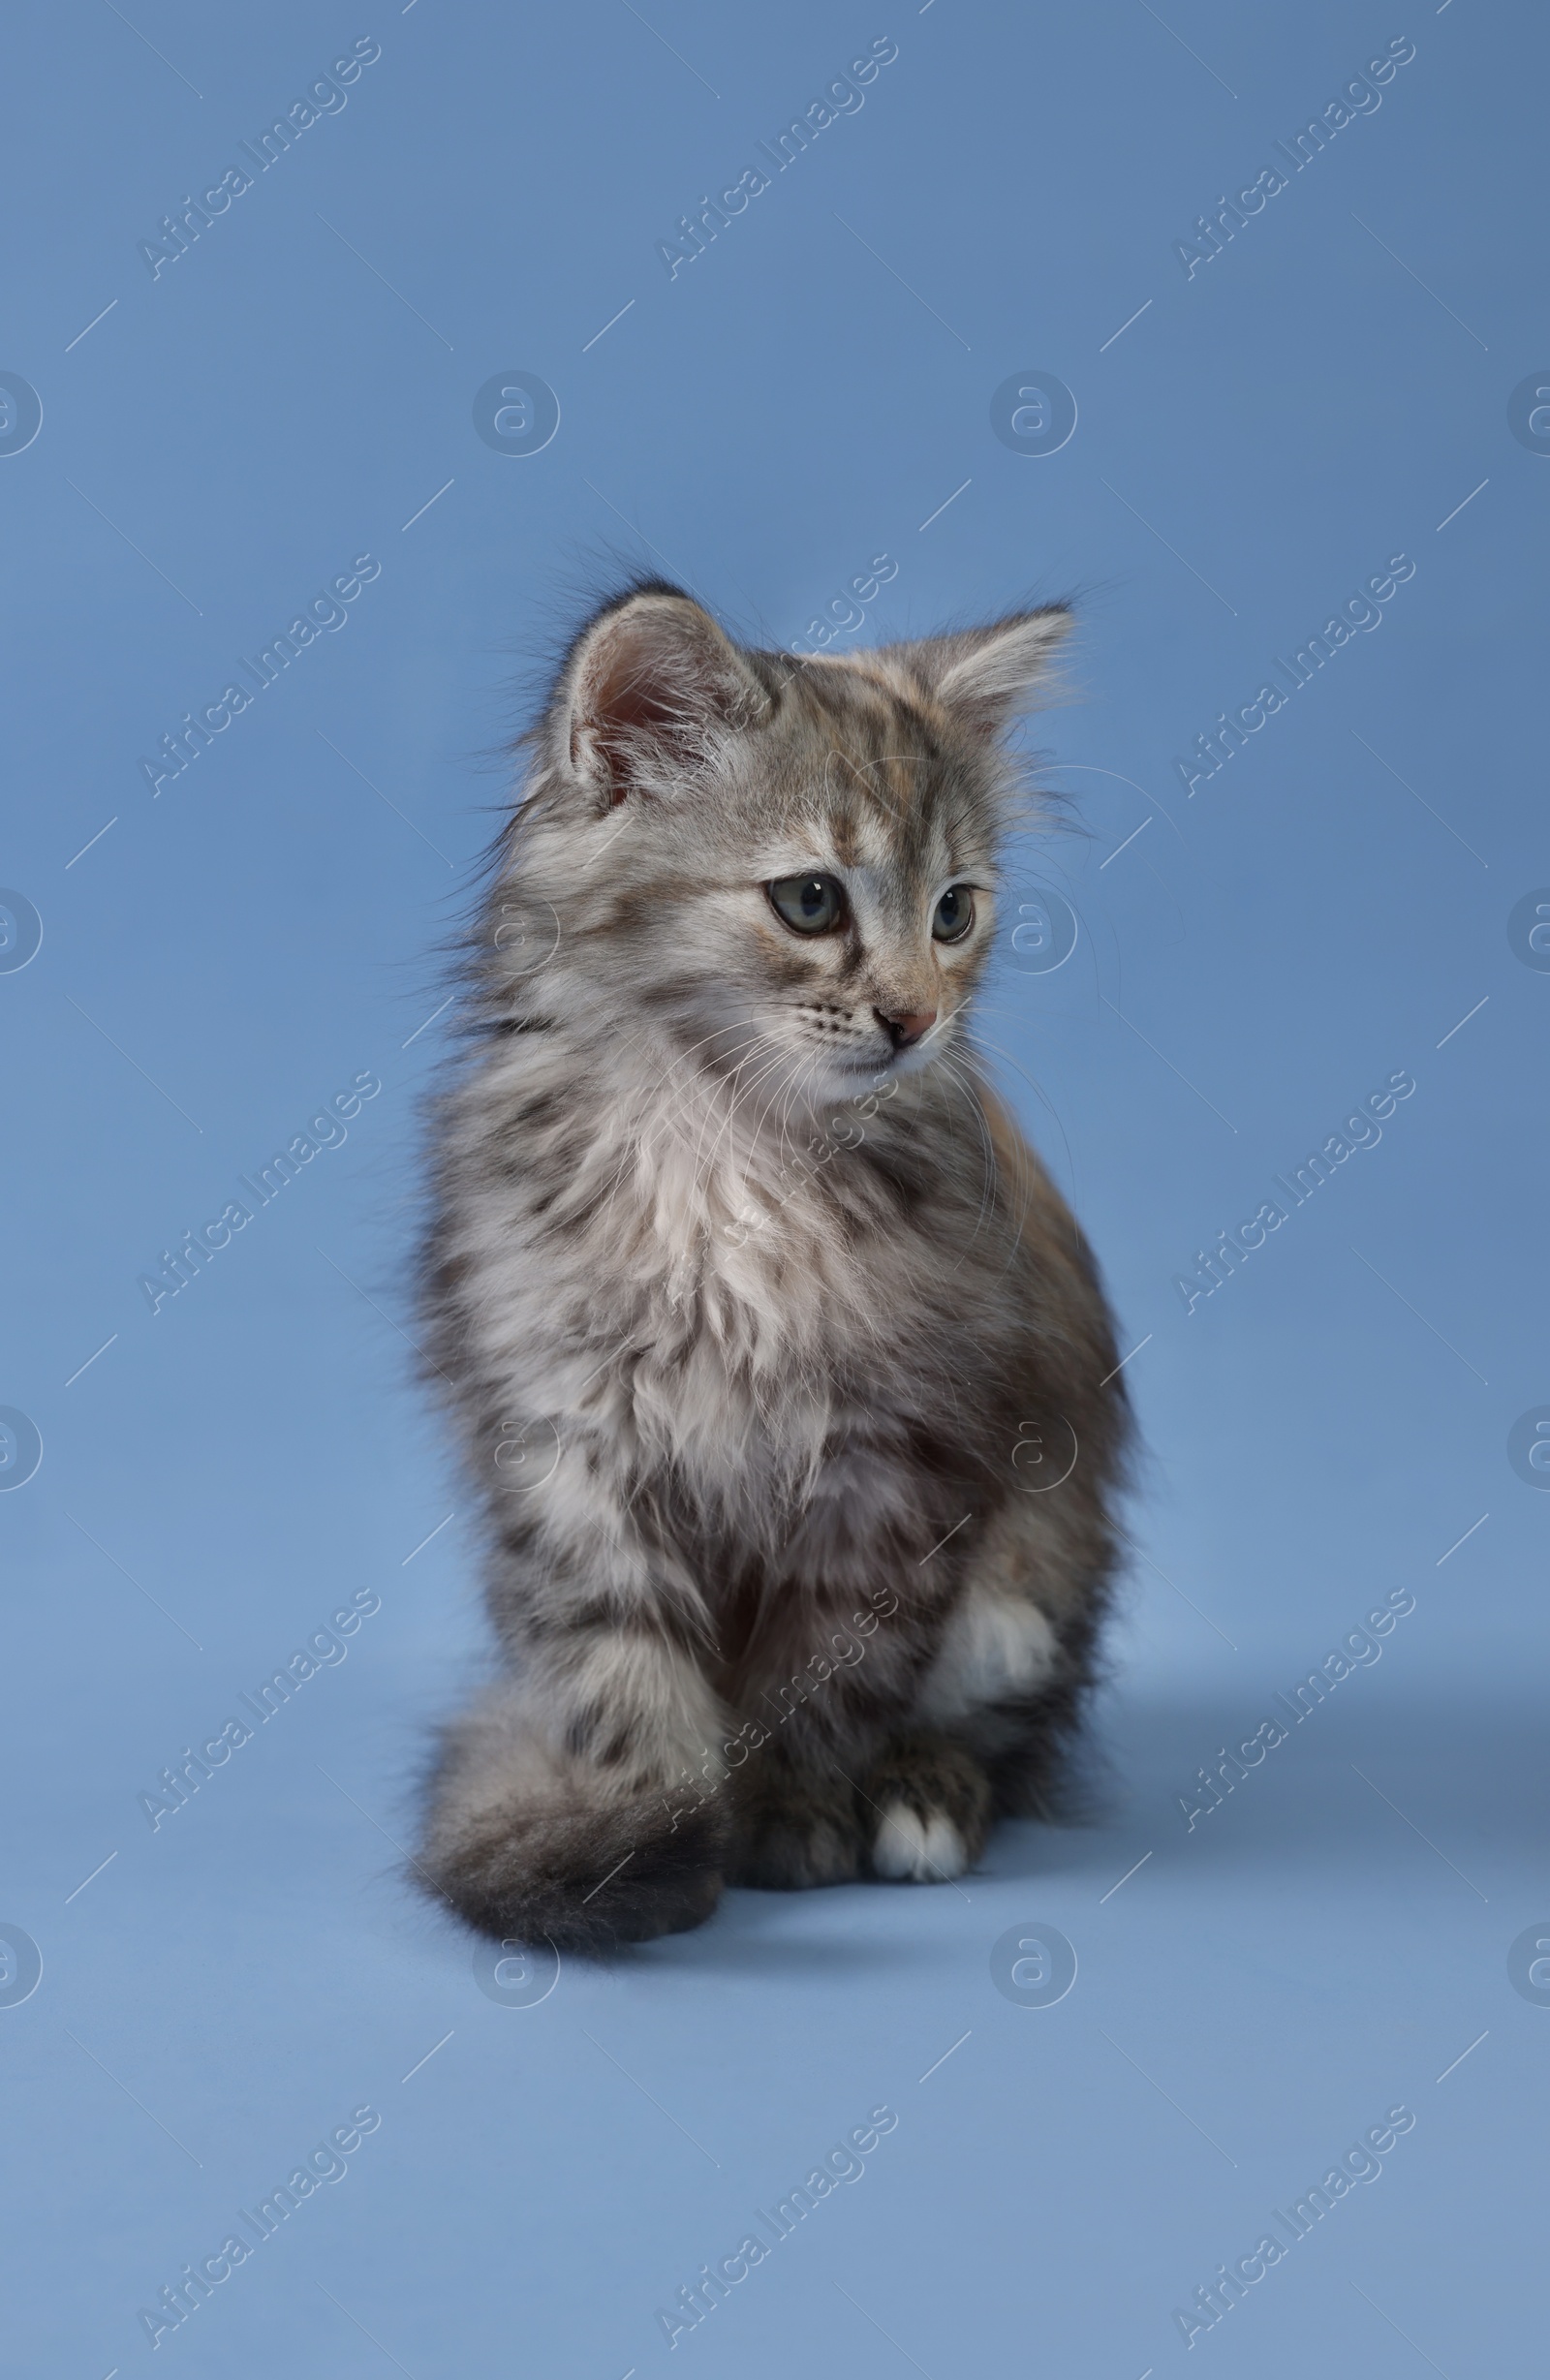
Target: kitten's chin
835,1077
855,1079
915,1061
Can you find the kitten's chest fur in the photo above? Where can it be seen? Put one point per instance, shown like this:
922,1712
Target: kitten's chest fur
757,1324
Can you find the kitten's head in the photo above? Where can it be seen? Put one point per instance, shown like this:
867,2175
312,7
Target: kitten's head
743,863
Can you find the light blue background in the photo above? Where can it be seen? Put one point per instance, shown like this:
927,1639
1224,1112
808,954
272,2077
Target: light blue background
1260,957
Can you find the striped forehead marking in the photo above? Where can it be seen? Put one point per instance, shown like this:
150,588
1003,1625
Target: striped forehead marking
885,812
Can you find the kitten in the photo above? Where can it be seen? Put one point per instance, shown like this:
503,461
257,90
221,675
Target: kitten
782,1371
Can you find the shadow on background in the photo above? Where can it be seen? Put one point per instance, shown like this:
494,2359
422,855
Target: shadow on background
1465,1769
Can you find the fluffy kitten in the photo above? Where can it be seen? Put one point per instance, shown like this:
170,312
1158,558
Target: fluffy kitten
781,1369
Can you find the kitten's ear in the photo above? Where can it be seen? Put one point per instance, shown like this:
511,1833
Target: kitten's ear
652,687
987,677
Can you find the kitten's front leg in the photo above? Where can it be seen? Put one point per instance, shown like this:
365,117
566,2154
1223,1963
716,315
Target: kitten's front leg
930,1805
795,1822
799,1806
993,1712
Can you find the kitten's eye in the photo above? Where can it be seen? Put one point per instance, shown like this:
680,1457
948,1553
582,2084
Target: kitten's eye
954,916
810,904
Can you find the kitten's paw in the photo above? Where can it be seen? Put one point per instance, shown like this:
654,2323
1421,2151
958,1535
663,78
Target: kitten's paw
931,1801
912,1847
796,1834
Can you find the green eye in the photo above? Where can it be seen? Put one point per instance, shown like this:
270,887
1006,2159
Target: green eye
953,914
809,904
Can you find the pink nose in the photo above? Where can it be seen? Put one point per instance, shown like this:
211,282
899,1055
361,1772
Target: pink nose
905,1031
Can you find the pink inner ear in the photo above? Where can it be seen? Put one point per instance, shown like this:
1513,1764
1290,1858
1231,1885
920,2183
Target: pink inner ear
659,680
629,703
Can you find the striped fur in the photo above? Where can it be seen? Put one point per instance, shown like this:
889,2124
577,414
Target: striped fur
743,1309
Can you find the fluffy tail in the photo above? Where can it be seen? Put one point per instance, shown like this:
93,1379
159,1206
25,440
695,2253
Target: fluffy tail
527,1846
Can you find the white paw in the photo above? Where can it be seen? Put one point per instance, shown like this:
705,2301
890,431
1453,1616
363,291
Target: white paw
916,1850
993,1649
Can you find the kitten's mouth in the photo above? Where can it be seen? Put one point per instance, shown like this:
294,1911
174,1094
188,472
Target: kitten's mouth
908,1057
912,1061
865,1062
888,1064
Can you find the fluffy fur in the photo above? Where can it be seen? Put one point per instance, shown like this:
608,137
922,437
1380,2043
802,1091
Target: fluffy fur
766,1336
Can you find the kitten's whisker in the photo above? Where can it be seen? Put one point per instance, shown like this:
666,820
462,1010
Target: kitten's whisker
1033,1085
990,1173
708,1072
728,1119
705,1073
1024,1180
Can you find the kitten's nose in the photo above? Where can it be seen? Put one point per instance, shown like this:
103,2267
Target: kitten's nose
905,1031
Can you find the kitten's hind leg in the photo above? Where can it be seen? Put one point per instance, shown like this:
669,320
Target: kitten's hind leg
928,1801
527,1843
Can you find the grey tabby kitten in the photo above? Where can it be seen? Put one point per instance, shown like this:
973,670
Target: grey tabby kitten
782,1369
